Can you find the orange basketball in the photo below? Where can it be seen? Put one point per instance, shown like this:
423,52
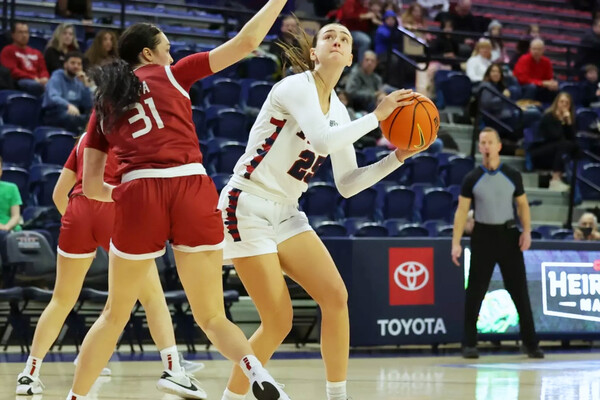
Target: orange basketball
412,127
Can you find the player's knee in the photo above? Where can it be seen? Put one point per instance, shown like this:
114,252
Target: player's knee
335,299
115,315
64,299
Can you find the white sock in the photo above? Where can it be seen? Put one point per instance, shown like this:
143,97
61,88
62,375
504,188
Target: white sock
228,395
170,359
336,390
73,396
33,366
248,363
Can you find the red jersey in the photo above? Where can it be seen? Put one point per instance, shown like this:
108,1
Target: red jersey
75,164
157,132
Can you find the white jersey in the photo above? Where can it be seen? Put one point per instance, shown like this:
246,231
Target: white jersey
291,138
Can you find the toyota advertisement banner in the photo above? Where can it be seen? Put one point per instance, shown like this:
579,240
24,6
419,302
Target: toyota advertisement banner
400,291
408,291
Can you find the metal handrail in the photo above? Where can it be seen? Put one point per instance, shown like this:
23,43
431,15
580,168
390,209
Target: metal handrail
492,117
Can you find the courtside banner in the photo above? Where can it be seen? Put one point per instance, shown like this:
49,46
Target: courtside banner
401,291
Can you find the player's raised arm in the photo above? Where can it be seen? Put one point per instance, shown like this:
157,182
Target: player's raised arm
248,39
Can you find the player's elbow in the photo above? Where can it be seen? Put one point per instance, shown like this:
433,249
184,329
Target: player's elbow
321,147
246,42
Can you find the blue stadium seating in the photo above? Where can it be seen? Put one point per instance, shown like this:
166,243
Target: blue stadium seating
22,110
399,202
320,199
331,229
16,146
18,176
57,147
361,204
437,204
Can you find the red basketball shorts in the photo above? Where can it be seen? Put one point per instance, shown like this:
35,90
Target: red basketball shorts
86,225
150,211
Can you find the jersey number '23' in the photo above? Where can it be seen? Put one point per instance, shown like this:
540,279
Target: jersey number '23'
306,162
141,115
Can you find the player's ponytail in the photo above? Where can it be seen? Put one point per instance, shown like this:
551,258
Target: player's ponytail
297,53
117,85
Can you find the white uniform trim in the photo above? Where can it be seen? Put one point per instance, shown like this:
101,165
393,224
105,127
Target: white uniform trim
136,257
71,255
173,172
197,249
175,83
79,142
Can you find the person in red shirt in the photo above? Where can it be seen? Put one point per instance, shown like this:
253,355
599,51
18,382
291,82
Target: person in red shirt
535,74
27,65
143,113
86,225
356,16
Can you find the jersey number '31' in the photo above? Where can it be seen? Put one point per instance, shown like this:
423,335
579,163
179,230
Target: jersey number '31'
141,115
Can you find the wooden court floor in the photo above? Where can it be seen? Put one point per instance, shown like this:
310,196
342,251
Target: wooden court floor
561,376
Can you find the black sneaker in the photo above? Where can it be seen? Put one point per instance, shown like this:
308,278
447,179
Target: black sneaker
470,352
533,352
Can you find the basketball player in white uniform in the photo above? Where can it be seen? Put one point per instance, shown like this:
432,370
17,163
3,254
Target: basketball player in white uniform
300,124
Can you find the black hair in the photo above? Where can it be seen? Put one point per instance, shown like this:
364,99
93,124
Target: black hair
73,54
117,85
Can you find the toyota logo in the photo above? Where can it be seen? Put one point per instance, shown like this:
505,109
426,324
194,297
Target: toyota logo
411,276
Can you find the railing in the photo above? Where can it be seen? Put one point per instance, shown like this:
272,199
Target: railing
574,179
571,47
481,112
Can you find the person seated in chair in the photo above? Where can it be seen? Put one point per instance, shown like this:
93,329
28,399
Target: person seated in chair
68,99
10,208
587,227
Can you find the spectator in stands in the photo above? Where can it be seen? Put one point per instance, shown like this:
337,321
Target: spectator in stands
557,128
79,9
413,18
385,36
587,228
480,61
356,16
26,64
68,99
533,32
590,89
10,207
63,41
345,99
433,7
535,74
494,32
364,84
446,44
287,32
462,18
493,79
591,53
103,49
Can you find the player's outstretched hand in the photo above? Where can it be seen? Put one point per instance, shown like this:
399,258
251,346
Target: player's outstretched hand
398,98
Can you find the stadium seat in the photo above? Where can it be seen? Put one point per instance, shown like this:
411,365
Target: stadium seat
228,155
371,229
586,119
22,110
331,229
260,68
412,230
562,234
457,169
424,169
16,146
362,204
224,92
320,199
399,202
437,204
18,176
57,147
230,124
43,186
257,93
199,118
574,90
590,173
221,180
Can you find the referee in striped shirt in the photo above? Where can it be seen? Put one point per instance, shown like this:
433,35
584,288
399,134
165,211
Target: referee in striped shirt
493,188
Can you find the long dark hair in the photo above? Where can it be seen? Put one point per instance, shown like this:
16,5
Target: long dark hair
118,86
487,78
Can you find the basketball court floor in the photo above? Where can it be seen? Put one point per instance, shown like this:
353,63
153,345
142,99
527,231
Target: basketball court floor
372,376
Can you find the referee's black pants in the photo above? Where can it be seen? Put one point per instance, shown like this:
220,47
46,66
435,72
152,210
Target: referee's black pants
491,244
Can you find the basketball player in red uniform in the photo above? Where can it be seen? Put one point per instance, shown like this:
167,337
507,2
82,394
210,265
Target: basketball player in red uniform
143,113
86,225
